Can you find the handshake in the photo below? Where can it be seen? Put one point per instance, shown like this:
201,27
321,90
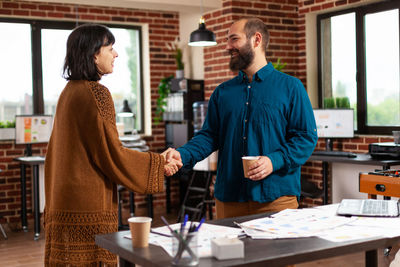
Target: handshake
173,161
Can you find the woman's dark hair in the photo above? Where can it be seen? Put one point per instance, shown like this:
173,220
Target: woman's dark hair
83,44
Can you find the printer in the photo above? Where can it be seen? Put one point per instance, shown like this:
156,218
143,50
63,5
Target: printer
384,150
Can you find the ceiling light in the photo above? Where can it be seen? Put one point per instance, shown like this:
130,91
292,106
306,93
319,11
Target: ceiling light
202,36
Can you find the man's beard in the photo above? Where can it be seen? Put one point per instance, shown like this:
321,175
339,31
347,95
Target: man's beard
243,59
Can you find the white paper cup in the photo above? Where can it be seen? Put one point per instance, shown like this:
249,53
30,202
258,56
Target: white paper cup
140,230
247,161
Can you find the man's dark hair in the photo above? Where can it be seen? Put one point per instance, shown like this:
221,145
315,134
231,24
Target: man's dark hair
254,25
83,44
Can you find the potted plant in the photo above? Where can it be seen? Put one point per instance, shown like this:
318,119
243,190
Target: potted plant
164,88
176,47
7,130
336,102
278,65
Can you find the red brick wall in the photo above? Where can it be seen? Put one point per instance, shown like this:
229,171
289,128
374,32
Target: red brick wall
287,26
10,186
163,27
281,17
286,20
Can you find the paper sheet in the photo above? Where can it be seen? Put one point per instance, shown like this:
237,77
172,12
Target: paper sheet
291,223
321,222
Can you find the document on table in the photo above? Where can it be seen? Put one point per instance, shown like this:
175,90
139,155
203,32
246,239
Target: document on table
321,222
294,224
206,233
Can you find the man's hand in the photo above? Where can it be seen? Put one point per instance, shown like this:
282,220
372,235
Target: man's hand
173,161
260,169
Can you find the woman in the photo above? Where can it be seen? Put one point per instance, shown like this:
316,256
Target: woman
85,159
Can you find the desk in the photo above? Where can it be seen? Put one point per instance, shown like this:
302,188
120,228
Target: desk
33,161
263,252
362,159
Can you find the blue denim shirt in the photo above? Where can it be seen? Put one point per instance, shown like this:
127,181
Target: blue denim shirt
271,116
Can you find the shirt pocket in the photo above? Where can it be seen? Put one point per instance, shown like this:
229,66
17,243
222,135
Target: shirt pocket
267,129
269,114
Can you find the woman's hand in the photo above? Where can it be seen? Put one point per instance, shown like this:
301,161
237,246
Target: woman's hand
173,161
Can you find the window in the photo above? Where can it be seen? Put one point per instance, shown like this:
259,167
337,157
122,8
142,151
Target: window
15,71
358,57
34,81
53,53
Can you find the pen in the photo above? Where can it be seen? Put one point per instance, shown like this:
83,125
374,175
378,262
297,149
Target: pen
244,227
184,223
198,226
167,224
158,233
182,242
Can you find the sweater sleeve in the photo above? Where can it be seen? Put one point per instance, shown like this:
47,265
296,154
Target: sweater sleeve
142,172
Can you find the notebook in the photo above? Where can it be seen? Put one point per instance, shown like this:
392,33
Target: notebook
369,207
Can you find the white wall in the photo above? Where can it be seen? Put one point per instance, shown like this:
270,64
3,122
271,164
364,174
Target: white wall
193,56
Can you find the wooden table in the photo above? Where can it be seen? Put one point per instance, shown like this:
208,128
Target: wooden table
265,252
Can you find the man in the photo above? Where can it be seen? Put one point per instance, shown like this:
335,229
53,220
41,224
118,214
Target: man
261,112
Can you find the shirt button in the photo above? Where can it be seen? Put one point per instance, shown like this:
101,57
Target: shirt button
247,103
244,137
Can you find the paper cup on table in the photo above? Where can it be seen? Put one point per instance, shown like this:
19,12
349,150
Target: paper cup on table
140,230
247,161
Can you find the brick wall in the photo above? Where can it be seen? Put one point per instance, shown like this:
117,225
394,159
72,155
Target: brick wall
10,186
163,27
281,17
286,20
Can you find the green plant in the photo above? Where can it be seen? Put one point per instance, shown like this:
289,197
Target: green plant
178,59
342,102
329,102
176,47
278,65
336,102
164,88
7,124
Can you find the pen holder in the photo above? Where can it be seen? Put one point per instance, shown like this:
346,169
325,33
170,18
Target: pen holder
184,249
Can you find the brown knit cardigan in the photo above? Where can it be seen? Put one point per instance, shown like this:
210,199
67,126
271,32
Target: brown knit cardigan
84,163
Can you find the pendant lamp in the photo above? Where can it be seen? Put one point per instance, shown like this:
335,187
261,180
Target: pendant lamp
126,110
202,36
126,121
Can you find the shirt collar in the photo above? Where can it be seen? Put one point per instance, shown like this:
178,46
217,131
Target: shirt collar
260,74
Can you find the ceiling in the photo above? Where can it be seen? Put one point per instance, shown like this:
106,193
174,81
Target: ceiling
166,5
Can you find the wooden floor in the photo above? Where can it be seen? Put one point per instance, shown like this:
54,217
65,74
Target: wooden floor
21,250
